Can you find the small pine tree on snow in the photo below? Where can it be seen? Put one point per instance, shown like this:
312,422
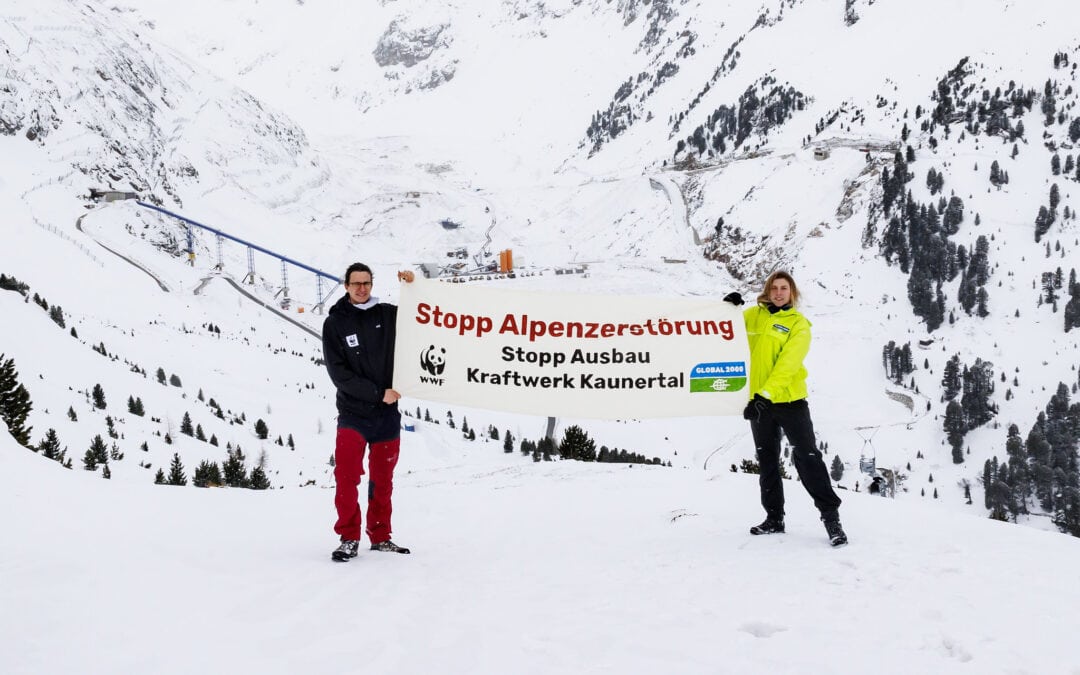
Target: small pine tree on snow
160,375
465,426
71,414
493,433
168,439
99,397
159,478
135,406
259,481
15,404
57,315
174,380
199,434
213,440
508,442
576,444
207,474
291,443
261,430
837,469
200,396
89,461
233,470
176,471
186,427
96,454
546,447
50,446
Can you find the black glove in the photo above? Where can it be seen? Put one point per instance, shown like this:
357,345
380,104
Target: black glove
758,407
734,298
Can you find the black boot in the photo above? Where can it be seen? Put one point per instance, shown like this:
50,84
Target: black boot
389,547
836,532
769,526
346,551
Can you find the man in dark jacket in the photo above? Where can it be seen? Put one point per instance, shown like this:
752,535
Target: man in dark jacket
358,347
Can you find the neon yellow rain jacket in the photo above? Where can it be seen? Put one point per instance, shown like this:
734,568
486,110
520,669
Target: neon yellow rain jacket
778,344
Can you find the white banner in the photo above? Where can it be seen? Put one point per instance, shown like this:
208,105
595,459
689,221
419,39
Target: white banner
567,355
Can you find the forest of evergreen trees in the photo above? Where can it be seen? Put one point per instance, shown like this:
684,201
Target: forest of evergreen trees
729,126
1041,470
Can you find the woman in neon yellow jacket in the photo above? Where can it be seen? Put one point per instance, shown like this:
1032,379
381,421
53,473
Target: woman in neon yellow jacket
779,338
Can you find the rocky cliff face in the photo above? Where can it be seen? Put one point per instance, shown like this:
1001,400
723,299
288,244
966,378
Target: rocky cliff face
416,55
126,114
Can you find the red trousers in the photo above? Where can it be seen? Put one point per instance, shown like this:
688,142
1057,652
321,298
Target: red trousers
348,468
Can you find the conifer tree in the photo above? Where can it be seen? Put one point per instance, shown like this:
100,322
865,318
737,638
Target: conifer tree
96,454
261,430
186,427
159,478
199,434
71,414
546,448
950,381
160,375
837,468
508,442
233,470
259,481
99,397
955,429
50,446
576,444
176,471
15,404
206,474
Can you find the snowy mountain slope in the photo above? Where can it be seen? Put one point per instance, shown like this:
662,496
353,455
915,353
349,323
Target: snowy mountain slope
486,159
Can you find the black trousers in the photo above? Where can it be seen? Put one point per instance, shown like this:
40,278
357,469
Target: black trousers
792,419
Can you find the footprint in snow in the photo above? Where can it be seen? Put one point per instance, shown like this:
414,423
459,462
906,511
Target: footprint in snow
761,629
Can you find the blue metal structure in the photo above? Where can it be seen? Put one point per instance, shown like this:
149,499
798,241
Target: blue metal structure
251,248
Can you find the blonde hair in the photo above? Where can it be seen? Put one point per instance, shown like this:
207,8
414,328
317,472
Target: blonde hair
763,297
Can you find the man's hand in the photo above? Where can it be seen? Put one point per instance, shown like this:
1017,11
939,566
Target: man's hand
406,275
391,396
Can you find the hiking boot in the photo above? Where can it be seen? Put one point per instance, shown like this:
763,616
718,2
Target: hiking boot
768,526
346,551
389,547
836,532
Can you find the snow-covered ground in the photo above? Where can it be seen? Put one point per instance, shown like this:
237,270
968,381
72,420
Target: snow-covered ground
516,567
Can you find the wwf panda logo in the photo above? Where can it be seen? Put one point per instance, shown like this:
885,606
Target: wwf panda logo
433,361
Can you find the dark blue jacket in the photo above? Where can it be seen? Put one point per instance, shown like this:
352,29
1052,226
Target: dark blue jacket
358,348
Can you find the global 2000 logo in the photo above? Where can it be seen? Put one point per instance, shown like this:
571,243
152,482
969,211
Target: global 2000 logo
433,361
723,376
